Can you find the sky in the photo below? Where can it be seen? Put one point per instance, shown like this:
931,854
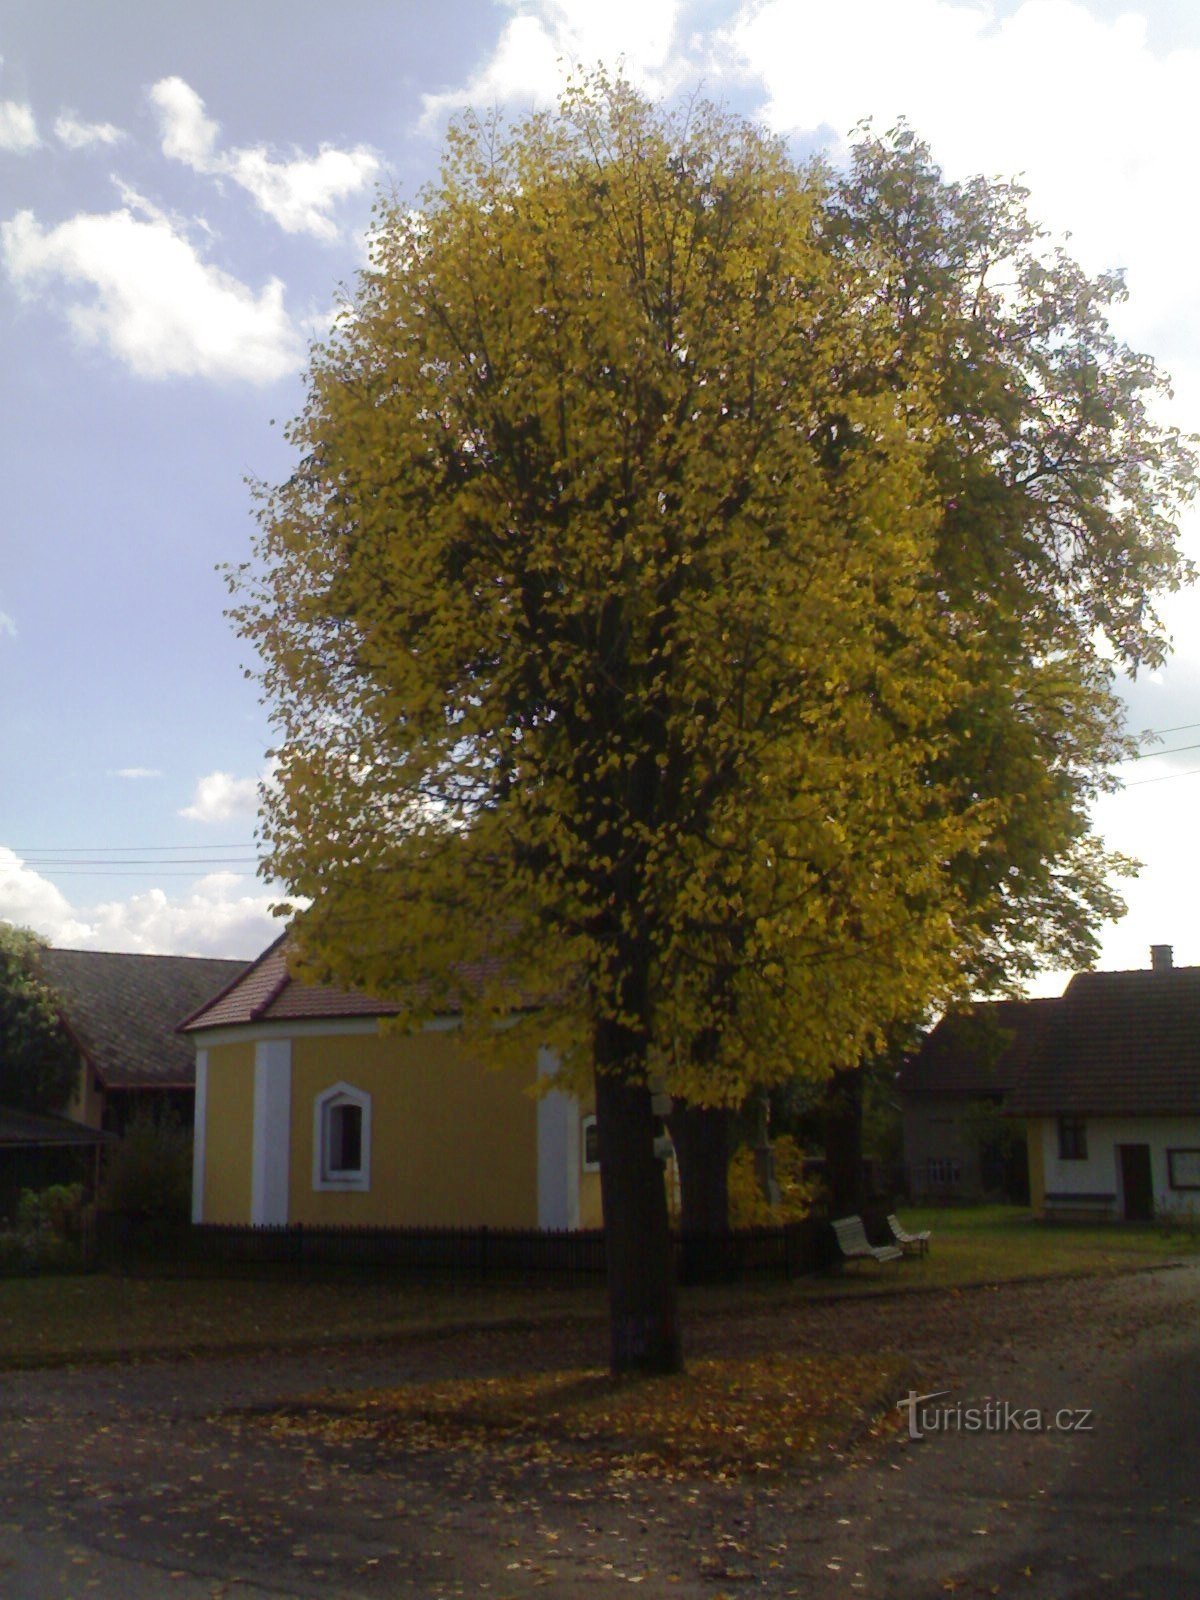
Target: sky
185,191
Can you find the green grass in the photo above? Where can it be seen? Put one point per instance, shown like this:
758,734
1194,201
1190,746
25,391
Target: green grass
55,1320
994,1244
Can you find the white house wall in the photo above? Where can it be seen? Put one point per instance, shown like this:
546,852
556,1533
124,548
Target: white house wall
1100,1172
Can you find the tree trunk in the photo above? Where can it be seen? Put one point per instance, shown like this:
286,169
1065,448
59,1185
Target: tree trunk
701,1135
643,1310
843,1142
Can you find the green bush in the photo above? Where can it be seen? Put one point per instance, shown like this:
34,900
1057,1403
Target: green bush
149,1174
48,1231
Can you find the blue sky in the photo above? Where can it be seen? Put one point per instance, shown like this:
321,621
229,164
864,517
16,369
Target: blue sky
182,190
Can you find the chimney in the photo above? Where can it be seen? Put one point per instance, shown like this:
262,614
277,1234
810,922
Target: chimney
1160,957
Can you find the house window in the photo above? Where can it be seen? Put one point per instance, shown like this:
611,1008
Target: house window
1072,1139
342,1139
591,1144
943,1170
1183,1169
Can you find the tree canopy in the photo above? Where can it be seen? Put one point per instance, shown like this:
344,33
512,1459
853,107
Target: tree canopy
38,1058
610,627
1059,486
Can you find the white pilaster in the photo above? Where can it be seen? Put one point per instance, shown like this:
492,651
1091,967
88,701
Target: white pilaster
557,1152
199,1134
272,1132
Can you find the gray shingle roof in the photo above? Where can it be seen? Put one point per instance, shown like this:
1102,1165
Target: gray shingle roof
25,1129
1118,1044
976,1051
124,1010
1114,1044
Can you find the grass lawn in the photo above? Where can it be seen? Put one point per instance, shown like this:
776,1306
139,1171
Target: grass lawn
995,1244
54,1320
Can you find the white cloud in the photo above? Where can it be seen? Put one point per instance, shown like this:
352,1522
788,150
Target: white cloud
138,772
18,129
298,194
222,914
31,901
158,306
1099,125
544,43
77,135
7,626
220,797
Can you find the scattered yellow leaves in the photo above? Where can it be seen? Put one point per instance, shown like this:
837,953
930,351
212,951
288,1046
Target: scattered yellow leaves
723,1418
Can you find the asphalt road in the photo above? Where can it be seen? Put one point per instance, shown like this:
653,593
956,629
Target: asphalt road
137,1483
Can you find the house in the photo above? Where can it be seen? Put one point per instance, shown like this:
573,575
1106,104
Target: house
122,1011
38,1151
953,1091
1104,1080
310,1109
1110,1096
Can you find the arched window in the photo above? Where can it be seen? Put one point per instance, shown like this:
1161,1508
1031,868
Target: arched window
342,1138
590,1142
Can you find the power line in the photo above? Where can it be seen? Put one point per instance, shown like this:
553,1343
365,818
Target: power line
1150,755
33,860
1163,777
120,872
123,849
1182,728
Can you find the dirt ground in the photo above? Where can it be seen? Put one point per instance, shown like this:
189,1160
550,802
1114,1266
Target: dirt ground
137,1482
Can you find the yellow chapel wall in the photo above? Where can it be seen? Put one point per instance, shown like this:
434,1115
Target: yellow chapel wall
453,1143
229,1133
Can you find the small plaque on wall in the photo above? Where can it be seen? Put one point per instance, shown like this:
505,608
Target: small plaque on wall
1183,1168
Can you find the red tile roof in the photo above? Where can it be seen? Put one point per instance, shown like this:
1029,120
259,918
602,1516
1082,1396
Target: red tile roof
267,992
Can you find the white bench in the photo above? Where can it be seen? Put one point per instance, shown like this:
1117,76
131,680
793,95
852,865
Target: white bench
854,1244
910,1243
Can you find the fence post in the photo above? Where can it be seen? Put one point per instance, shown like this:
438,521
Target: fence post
483,1252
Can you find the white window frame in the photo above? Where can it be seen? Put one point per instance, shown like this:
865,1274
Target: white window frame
341,1094
585,1124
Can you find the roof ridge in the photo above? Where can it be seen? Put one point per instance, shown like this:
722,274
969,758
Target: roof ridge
272,995
238,977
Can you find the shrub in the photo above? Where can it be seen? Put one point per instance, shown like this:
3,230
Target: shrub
47,1232
150,1172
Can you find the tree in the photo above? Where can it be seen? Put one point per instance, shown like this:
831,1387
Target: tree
38,1058
598,635
1058,492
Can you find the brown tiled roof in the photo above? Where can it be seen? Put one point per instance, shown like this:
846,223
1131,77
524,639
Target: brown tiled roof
976,1051
124,1010
267,992
24,1128
1118,1044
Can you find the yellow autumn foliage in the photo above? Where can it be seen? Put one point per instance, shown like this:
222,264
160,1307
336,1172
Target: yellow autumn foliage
595,621
750,1208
